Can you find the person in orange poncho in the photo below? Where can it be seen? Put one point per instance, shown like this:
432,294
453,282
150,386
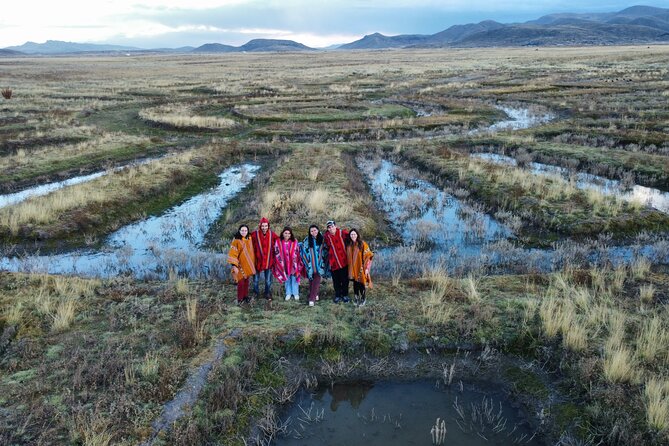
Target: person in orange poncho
242,259
359,262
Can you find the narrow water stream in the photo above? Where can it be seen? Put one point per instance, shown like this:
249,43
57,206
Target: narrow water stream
583,180
156,245
439,229
426,216
44,189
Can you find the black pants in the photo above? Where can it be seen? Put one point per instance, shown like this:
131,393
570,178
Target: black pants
340,282
359,290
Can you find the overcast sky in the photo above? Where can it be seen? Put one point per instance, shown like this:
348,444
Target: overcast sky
316,23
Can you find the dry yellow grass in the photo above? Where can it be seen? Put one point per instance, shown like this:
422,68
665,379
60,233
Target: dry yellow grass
308,188
178,115
656,396
103,144
619,365
64,315
115,186
652,340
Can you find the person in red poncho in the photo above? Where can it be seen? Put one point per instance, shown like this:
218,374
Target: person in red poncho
336,252
263,243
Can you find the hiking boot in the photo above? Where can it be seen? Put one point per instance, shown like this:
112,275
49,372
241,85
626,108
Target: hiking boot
287,298
312,303
336,299
345,299
297,297
363,302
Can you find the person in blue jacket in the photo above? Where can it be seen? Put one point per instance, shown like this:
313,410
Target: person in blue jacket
314,261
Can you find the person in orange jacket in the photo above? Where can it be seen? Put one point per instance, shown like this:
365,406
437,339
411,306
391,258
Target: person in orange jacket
359,258
242,259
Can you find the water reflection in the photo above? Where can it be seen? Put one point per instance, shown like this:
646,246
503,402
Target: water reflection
403,413
641,194
44,189
437,232
156,245
428,217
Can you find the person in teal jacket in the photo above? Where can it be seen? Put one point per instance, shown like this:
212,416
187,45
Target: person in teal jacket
315,262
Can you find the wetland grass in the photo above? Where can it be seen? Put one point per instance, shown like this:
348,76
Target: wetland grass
78,353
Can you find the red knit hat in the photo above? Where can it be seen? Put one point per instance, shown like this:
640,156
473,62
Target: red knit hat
263,220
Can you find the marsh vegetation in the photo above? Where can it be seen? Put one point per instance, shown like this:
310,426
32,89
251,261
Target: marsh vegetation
521,269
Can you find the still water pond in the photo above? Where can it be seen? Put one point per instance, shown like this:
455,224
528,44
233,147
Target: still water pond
388,413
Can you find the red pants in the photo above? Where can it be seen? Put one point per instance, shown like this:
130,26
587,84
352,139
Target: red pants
242,289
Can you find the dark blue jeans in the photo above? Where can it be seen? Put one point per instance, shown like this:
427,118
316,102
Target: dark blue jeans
267,276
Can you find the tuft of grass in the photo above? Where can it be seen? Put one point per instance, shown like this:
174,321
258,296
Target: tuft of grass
656,398
619,366
149,366
94,430
576,337
64,315
652,340
182,287
549,313
640,268
14,314
471,289
647,293
434,306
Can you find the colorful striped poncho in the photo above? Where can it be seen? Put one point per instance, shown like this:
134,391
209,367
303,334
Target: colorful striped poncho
287,260
241,255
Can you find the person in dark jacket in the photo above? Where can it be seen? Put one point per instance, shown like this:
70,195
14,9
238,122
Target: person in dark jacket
335,241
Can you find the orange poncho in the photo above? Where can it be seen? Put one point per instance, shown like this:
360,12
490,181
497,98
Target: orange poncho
241,255
358,262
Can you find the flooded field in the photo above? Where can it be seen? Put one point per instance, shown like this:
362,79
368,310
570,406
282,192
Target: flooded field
155,246
45,189
547,285
649,196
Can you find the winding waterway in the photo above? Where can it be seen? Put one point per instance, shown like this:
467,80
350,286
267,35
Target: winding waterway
647,195
156,245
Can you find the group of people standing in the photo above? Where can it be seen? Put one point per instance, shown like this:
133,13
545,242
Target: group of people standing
262,254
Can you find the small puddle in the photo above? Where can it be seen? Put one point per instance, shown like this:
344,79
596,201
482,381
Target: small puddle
44,189
156,245
582,180
519,118
387,413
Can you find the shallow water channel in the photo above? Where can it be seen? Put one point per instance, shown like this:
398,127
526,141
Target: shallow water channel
439,229
388,413
428,218
583,180
156,245
44,189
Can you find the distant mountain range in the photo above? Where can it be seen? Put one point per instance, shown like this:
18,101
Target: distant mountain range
634,25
